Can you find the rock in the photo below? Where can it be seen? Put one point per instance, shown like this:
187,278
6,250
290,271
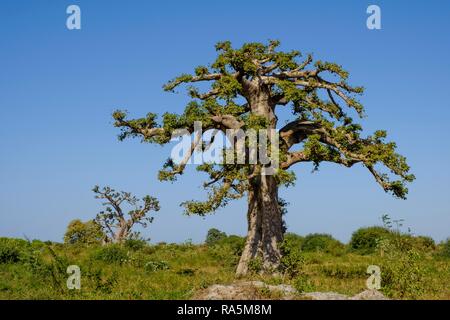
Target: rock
369,295
256,290
245,290
325,296
365,295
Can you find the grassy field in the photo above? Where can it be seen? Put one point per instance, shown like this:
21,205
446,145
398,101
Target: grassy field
136,270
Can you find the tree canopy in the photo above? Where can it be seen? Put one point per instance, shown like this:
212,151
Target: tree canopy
321,129
117,222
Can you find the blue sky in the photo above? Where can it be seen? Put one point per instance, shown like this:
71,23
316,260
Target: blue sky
58,89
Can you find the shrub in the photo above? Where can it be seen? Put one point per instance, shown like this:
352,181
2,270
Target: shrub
38,244
402,274
291,260
446,249
425,243
9,254
79,232
135,244
302,283
13,250
112,253
98,280
228,250
294,239
255,265
214,236
365,240
420,243
156,265
322,242
236,243
407,242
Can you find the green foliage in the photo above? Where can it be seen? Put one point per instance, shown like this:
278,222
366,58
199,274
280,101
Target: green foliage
344,271
214,236
135,244
322,242
420,243
186,272
319,94
255,265
177,271
112,253
79,232
12,250
317,151
446,248
116,223
302,283
365,240
291,260
234,242
153,266
425,243
228,250
403,276
294,240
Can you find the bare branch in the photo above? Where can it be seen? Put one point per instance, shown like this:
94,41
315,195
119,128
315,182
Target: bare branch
188,78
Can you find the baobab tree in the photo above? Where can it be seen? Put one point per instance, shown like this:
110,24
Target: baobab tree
116,223
247,87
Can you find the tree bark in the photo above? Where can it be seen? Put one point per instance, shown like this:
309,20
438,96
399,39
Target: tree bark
265,223
122,231
265,231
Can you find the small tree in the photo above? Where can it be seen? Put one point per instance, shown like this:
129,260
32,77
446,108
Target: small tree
214,235
115,223
89,232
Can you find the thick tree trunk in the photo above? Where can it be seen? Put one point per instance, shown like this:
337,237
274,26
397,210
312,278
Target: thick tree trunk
265,224
265,231
122,231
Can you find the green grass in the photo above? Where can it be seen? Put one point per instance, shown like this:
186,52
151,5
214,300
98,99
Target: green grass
177,271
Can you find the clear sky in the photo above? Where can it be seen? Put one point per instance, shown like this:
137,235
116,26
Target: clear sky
58,89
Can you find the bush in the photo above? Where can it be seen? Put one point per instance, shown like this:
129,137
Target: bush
156,265
236,243
135,244
420,243
214,236
446,249
302,283
365,240
79,232
38,244
294,239
255,265
228,250
402,274
291,260
322,242
13,250
407,242
426,242
112,253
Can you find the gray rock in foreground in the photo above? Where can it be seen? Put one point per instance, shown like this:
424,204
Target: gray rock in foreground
365,295
250,290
